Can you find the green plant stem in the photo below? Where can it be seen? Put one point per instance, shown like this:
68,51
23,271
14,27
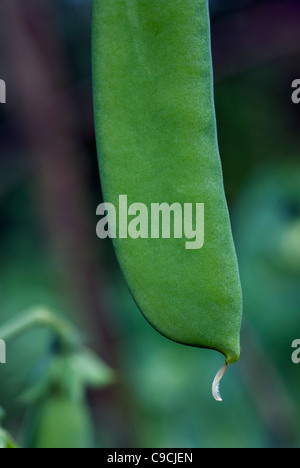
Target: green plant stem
41,317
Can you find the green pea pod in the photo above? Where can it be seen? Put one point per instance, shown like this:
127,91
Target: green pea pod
59,422
157,140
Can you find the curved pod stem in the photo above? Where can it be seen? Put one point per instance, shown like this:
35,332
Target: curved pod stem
216,383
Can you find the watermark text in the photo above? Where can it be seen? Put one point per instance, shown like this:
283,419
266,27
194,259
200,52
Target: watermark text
2,92
2,352
158,221
296,92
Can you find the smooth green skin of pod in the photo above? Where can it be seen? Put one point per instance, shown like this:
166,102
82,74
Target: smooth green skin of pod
157,140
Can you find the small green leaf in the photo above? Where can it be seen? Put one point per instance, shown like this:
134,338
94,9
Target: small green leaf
70,374
94,372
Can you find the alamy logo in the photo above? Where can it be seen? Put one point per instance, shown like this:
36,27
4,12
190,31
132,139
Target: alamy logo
2,352
159,220
296,353
2,92
296,93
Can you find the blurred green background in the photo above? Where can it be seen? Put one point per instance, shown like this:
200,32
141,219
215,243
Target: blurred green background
49,252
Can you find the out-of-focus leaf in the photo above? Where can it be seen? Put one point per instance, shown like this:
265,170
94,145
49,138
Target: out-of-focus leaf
93,371
6,440
71,373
